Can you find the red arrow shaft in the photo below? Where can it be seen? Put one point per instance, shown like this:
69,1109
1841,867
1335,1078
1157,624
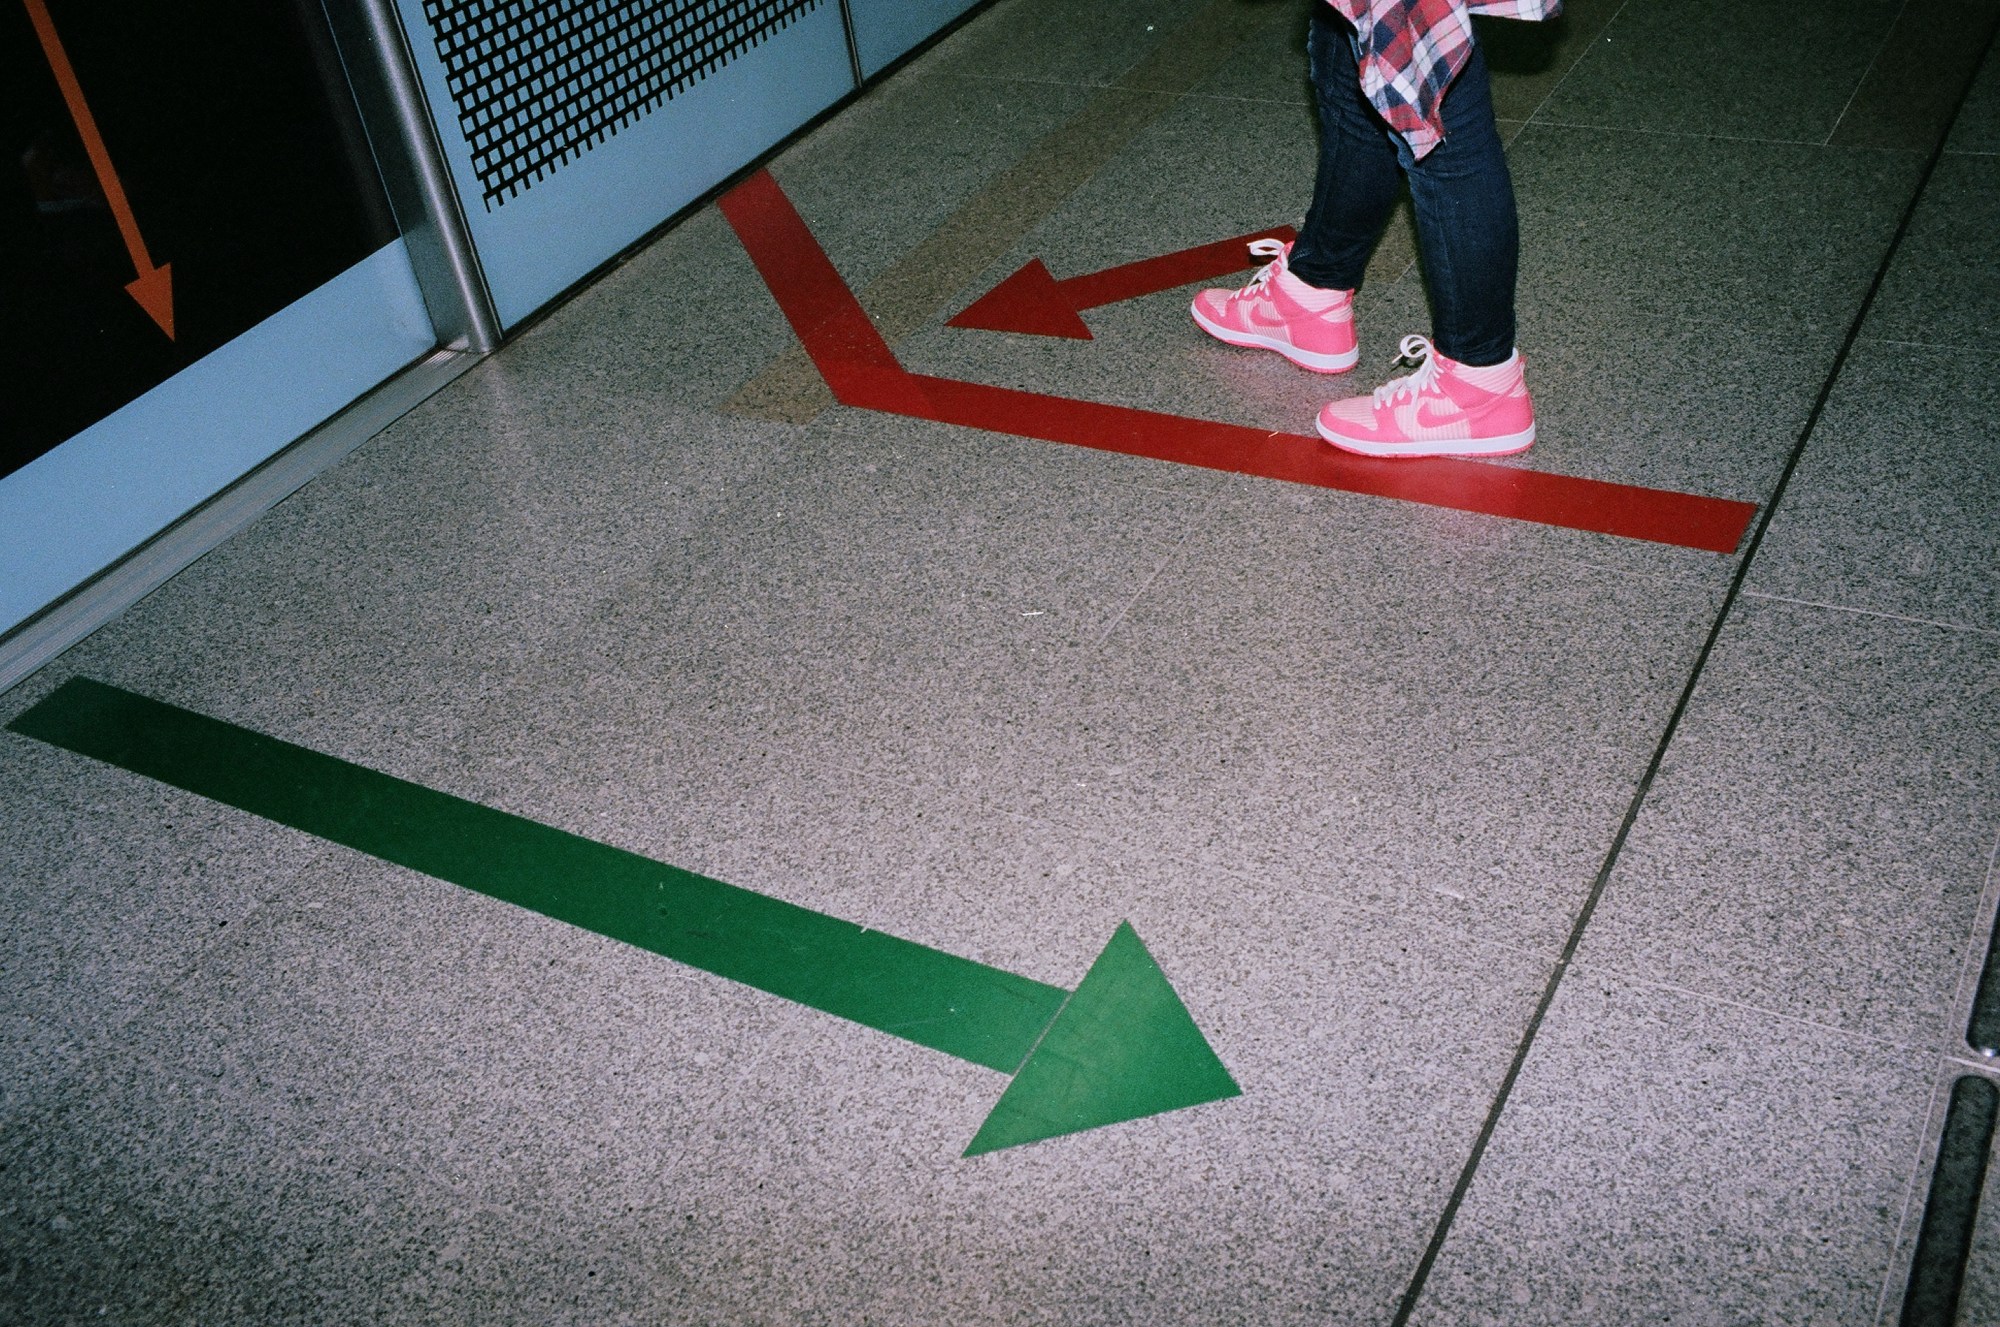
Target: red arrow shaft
93,141
863,372
1201,263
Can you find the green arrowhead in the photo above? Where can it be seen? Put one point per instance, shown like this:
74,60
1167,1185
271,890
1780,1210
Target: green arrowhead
1123,1047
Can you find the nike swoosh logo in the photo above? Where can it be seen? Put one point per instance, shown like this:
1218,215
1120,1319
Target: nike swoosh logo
1425,419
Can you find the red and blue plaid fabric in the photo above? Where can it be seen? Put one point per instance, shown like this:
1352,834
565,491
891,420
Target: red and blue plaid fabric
1411,50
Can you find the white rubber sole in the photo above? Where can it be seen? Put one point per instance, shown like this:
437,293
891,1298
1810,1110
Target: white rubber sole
1305,359
1510,444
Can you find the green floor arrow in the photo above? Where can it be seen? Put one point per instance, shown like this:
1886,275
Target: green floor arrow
1121,1047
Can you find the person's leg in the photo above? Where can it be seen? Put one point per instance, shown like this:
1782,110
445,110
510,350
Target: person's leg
1467,230
1301,304
1469,396
1359,171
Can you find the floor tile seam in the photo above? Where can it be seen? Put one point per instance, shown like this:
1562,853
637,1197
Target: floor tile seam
245,1104
429,1168
1574,65
1129,474
1875,932
1022,80
1968,1061
1136,76
1711,137
1984,935
1389,915
154,995
1466,936
1888,34
1982,350
1084,648
1090,636
1119,474
1950,1070
1895,1276
1702,579
747,490
1783,319
248,1103
749,495
808,756
1960,628
1921,1046
1299,103
1173,553
1581,923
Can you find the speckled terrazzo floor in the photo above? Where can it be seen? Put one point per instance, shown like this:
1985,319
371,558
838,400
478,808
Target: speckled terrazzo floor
1540,1017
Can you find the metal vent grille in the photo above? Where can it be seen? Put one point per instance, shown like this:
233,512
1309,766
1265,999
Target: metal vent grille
538,83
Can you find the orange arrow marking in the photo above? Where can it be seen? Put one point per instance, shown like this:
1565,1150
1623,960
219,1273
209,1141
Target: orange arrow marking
154,286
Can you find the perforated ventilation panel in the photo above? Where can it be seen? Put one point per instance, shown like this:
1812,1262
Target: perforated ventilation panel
538,83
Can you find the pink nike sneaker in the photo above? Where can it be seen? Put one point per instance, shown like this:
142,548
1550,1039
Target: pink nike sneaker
1443,409
1272,313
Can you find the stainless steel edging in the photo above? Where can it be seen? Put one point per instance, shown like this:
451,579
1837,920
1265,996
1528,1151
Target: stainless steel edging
376,49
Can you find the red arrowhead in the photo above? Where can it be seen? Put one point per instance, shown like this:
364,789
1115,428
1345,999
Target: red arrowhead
154,290
1030,301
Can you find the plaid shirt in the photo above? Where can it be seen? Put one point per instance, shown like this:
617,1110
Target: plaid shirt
1411,50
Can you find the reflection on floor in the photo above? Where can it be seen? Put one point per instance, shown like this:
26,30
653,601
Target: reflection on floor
1590,922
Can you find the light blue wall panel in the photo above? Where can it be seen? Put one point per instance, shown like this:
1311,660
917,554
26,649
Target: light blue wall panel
545,237
886,29
74,511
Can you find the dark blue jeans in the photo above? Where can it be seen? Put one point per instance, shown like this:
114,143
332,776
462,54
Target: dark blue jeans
1467,231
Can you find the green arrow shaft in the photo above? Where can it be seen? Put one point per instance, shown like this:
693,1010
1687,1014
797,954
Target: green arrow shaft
934,999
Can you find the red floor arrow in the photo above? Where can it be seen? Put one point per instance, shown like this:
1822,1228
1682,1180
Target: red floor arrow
153,288
863,372
1034,301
